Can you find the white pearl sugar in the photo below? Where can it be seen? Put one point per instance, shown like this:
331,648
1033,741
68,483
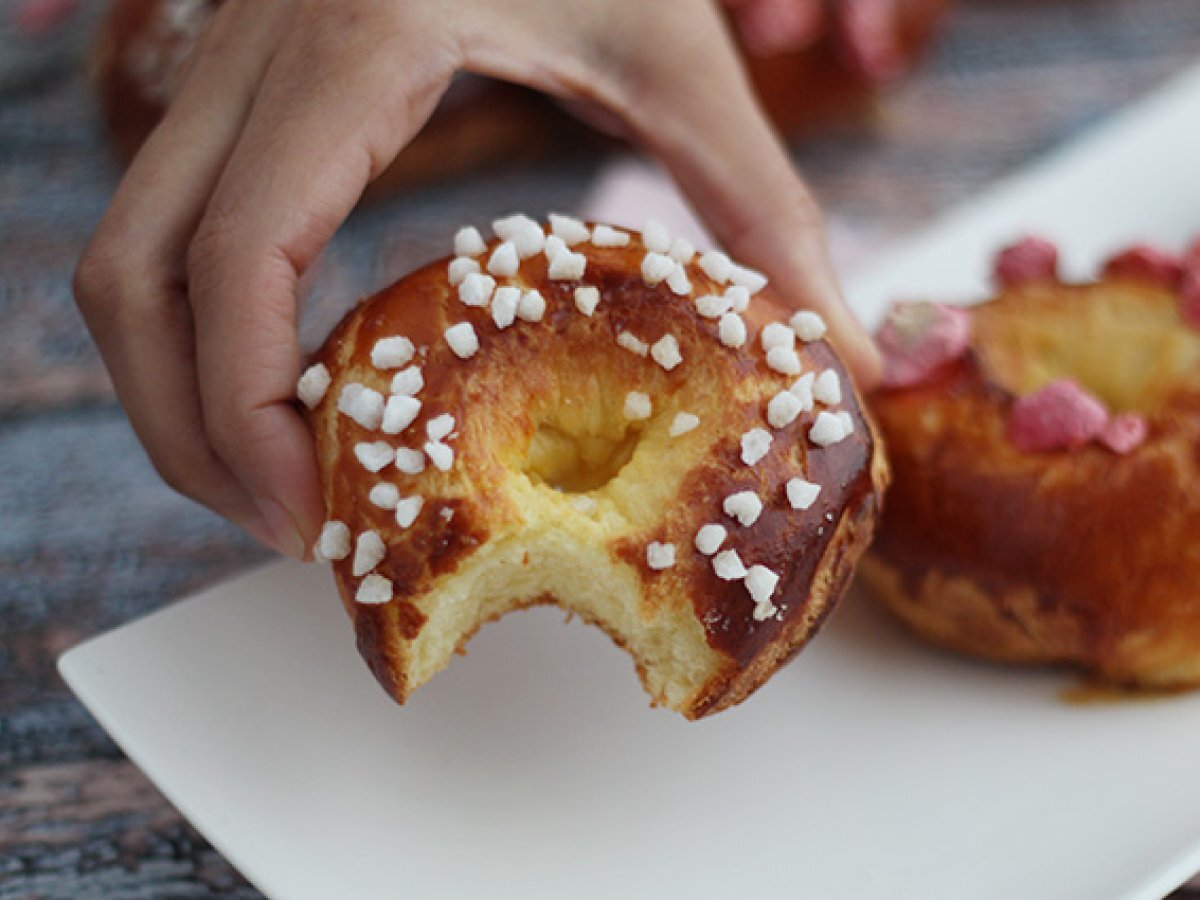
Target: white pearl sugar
656,237
476,289
374,590
587,298
408,509
827,388
656,268
665,352
362,404
808,325
468,242
607,236
660,556
637,406
504,262
504,306
731,330
334,541
827,430
570,231
385,495
441,455
683,423
710,537
717,266
531,307
374,456
802,494
743,506
408,381
462,340
728,566
775,335
369,552
756,443
313,384
783,409
460,267
400,412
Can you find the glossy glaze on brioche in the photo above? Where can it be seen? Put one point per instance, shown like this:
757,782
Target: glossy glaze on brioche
1085,557
556,496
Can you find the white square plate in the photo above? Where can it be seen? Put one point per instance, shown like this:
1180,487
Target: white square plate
532,768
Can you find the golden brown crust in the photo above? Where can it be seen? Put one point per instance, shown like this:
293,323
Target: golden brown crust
1084,557
518,378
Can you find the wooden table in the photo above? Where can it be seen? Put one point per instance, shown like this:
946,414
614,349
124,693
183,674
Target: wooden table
89,538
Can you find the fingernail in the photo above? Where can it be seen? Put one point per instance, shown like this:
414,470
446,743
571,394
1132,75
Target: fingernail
285,535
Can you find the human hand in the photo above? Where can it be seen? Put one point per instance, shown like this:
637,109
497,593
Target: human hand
290,108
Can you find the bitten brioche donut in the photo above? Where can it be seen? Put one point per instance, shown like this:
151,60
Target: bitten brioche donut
1046,449
600,420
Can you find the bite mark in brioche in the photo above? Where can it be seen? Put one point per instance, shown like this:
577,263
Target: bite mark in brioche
610,424
1046,504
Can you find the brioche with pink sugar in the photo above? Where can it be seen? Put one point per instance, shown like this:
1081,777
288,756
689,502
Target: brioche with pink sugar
1046,455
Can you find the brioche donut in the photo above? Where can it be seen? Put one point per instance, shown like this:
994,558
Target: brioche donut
598,420
811,74
143,47
1046,449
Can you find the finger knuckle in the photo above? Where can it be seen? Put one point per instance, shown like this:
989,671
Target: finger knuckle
99,276
179,469
214,240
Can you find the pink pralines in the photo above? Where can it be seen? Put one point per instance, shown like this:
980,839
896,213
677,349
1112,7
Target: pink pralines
920,340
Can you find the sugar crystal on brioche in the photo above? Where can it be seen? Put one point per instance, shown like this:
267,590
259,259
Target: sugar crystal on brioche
583,454
738,298
468,242
710,537
607,236
408,382
717,266
312,385
683,423
569,230
385,495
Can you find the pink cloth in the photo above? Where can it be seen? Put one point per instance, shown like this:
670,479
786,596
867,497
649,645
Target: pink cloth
919,340
1146,262
1060,416
1030,259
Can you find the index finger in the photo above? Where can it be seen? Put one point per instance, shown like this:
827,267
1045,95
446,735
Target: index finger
335,106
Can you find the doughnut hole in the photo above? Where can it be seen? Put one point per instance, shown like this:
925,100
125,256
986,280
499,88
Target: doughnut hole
577,462
576,491
1122,340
